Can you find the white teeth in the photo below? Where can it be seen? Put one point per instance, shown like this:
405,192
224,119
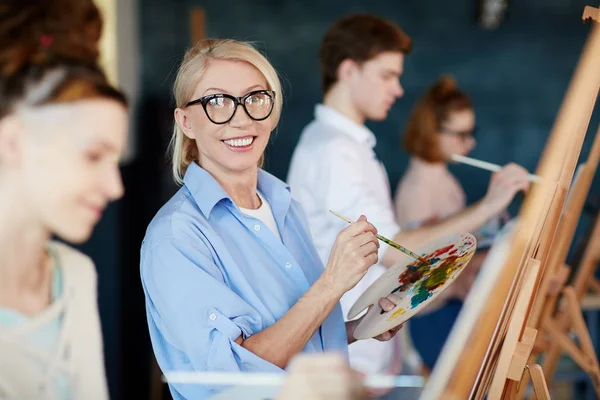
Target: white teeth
239,142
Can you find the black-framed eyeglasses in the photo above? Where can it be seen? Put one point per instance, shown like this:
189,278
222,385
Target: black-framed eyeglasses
462,135
220,108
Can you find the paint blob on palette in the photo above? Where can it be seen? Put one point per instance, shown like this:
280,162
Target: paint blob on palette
414,283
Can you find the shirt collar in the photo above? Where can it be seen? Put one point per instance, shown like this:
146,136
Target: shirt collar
271,187
330,116
204,188
278,195
207,192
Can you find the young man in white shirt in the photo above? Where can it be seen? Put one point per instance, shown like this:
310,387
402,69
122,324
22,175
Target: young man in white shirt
334,165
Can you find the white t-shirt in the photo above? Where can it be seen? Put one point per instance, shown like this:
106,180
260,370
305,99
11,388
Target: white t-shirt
264,214
334,167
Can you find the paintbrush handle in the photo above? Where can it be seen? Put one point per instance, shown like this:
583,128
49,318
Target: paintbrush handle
402,249
486,165
374,381
387,241
340,216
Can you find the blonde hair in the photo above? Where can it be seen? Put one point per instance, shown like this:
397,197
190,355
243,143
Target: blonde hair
183,149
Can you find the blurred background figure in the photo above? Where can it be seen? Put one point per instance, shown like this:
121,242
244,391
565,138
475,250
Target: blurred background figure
335,167
62,130
322,376
441,124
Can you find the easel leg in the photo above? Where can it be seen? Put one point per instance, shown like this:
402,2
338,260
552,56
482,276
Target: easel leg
595,285
583,354
585,341
197,25
540,387
551,359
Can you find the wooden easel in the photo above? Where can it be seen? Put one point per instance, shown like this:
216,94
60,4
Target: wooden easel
555,275
555,325
569,318
513,363
554,332
554,338
197,25
539,382
583,354
494,353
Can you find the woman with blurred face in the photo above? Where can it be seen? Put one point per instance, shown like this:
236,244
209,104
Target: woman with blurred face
442,123
62,129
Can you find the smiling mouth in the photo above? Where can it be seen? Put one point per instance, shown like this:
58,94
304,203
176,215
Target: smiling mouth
97,210
240,143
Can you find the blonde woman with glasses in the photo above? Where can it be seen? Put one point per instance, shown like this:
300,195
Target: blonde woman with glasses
232,279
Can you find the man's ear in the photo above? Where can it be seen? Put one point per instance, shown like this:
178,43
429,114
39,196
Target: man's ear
346,69
12,139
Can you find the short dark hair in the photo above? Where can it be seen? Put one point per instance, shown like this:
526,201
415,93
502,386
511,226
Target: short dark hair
358,37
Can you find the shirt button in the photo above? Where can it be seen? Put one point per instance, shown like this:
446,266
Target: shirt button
257,227
212,316
288,265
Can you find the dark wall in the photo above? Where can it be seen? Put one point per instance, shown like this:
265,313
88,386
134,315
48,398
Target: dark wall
516,75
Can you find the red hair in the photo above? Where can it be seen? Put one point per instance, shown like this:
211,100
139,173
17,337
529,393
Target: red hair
428,115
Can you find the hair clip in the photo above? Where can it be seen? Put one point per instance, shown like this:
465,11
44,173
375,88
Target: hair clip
46,41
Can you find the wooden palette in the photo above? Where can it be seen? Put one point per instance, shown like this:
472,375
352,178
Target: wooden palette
416,283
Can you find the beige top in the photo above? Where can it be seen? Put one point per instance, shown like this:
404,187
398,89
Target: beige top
426,193
79,355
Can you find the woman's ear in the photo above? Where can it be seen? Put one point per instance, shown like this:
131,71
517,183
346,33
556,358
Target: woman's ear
12,138
183,121
471,145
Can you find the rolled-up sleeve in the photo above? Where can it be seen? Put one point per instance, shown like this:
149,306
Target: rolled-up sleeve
194,317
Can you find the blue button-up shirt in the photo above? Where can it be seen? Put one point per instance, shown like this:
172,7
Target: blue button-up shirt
211,273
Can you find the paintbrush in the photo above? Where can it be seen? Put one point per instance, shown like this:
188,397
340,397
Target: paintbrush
486,165
388,241
374,381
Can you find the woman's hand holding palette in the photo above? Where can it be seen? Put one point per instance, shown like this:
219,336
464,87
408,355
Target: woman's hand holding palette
415,283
